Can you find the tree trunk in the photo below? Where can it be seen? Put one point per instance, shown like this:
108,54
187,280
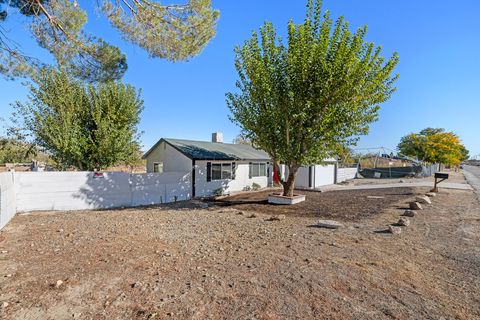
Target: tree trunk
289,185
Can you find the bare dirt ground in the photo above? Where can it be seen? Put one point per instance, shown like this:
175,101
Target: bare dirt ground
215,263
344,205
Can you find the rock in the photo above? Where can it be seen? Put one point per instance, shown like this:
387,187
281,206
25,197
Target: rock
253,215
277,217
4,251
394,230
423,199
60,230
375,197
136,285
402,181
4,304
404,222
329,224
203,205
431,194
58,284
409,213
415,206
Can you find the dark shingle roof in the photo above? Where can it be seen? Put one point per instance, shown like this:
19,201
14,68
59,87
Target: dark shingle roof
205,150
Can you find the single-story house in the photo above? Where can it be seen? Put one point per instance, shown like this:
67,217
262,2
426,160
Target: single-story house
214,165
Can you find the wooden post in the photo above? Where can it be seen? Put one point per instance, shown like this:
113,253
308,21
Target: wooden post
439,177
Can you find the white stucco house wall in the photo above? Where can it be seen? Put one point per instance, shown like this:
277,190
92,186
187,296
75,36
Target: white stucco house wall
213,165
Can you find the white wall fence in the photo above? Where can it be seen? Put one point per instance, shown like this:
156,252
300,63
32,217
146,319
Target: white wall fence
7,198
31,191
344,174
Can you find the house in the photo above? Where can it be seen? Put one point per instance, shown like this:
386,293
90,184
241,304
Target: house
213,166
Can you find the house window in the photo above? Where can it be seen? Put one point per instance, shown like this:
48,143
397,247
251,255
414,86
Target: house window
258,169
221,171
158,167
226,171
216,171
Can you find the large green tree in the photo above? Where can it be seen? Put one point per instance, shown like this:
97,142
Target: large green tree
83,125
302,101
434,145
173,31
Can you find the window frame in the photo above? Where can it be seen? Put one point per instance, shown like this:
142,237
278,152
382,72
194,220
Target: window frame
156,164
223,175
258,169
216,171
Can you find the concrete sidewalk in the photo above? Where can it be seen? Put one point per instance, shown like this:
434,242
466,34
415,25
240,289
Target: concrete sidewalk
444,185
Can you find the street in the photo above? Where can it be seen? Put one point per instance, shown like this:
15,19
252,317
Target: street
472,173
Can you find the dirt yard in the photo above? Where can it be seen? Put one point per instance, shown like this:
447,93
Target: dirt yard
222,263
344,205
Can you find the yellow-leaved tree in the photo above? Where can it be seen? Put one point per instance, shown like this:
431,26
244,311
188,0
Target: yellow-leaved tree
434,145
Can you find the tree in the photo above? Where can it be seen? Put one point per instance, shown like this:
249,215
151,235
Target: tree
434,145
82,125
175,32
464,154
303,101
16,151
242,139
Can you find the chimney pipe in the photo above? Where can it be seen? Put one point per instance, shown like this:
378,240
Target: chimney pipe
217,137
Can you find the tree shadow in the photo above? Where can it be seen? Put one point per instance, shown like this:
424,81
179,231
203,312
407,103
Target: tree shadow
383,231
119,189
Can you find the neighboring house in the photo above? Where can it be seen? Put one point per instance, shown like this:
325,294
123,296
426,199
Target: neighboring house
212,165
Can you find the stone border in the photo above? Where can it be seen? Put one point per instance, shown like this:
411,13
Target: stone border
277,198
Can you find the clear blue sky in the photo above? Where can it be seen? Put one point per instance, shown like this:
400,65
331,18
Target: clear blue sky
439,86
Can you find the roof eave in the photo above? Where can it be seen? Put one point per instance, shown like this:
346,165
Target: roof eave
195,158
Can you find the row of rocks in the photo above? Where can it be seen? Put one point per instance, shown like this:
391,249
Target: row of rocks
404,221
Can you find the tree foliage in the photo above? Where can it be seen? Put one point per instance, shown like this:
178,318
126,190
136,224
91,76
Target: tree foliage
174,32
16,151
434,145
82,125
302,101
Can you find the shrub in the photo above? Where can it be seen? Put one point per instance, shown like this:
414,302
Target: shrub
218,192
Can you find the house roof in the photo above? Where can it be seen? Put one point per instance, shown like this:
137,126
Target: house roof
205,150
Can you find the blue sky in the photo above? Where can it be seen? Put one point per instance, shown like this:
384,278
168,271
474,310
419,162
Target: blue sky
439,86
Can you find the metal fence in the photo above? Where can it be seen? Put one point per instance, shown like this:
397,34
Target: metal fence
429,170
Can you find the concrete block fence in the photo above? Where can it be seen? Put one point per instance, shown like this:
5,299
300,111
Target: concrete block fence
37,191
7,198
344,174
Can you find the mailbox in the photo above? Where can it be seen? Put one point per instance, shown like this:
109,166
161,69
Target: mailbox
440,175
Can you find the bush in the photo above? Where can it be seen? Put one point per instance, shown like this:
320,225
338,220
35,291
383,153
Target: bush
218,192
255,186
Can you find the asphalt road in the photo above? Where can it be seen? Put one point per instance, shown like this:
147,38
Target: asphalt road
472,173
